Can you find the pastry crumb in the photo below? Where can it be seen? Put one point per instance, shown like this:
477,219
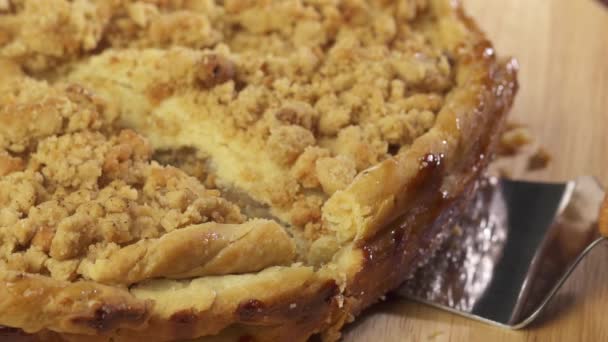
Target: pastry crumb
513,140
539,160
336,173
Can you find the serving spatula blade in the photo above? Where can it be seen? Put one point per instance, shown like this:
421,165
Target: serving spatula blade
515,246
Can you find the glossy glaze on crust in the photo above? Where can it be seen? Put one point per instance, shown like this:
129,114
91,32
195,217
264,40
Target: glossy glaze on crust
392,215
434,205
82,307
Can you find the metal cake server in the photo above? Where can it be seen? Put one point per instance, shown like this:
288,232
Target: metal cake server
513,249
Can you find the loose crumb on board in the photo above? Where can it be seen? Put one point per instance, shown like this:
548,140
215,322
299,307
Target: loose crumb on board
539,160
514,139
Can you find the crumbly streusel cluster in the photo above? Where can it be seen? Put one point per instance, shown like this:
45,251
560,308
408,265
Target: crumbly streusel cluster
72,188
319,90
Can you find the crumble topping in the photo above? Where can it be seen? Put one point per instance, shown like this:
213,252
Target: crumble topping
72,191
32,110
123,121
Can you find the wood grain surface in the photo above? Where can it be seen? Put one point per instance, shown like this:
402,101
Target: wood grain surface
562,47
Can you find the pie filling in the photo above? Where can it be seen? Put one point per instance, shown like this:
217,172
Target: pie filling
183,139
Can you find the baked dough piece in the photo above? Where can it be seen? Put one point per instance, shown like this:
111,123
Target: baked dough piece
80,307
196,251
356,129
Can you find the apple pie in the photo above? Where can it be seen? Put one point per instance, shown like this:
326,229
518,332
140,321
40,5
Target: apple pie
239,170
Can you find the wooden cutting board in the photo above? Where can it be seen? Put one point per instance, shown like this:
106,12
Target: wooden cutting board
562,47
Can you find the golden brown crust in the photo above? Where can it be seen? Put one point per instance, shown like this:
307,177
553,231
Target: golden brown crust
34,302
195,251
297,293
434,210
372,231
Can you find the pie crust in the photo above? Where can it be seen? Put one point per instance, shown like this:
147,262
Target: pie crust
232,170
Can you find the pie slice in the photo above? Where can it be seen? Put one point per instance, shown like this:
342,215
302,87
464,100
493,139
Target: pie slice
232,170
